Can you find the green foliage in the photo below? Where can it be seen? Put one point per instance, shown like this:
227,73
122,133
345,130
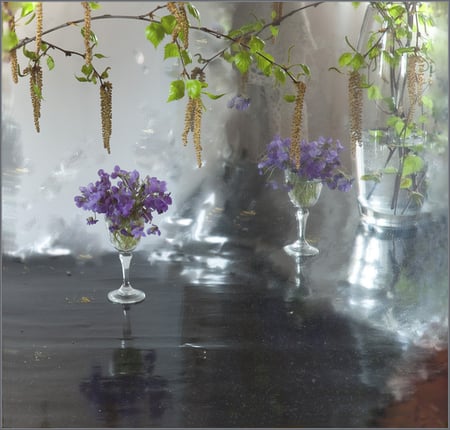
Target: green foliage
374,93
194,88
412,164
176,90
50,62
193,11
168,23
171,50
155,33
290,98
243,60
9,40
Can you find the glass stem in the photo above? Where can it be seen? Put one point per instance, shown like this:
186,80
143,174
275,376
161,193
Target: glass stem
302,217
125,260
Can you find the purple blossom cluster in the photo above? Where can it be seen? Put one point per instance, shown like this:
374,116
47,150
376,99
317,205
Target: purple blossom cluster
128,204
319,160
239,102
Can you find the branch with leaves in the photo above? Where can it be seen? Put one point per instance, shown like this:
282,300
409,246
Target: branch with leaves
244,48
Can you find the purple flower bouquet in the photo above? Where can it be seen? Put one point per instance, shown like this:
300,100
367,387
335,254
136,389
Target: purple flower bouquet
319,164
128,205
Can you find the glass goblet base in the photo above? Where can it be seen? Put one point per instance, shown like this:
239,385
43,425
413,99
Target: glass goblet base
301,248
126,295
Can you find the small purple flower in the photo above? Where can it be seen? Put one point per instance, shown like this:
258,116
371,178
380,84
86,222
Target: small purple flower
318,160
239,102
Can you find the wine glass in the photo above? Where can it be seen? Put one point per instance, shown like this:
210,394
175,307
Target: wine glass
125,243
303,194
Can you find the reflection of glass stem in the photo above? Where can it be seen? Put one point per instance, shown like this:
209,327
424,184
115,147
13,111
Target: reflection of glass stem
126,325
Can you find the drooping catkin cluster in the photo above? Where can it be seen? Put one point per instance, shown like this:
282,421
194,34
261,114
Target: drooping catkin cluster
294,152
36,92
355,101
13,55
178,10
87,33
415,78
106,113
193,119
39,19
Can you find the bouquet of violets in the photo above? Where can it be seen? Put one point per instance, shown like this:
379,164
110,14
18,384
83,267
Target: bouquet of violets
319,163
127,205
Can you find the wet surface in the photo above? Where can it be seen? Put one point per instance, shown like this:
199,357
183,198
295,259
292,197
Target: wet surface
234,332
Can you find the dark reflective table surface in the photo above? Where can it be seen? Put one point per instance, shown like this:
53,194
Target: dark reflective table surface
234,332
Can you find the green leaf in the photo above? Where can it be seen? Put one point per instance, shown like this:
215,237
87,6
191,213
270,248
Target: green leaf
256,44
390,170
87,69
171,50
30,54
357,61
290,98
99,56
376,177
399,127
81,79
176,90
213,96
412,164
193,11
406,183
274,30
94,5
265,62
187,59
305,69
27,8
280,74
105,74
168,23
345,59
155,33
242,60
374,93
356,4
410,50
194,88
396,11
50,62
9,40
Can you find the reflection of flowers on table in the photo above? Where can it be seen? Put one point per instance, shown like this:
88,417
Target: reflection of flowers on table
116,396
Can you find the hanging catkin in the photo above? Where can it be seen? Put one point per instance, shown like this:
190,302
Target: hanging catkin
193,118
13,55
39,19
87,33
178,10
355,108
415,81
106,113
36,93
296,131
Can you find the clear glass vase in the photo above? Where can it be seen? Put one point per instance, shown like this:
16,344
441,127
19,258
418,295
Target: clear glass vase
303,195
391,152
125,243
